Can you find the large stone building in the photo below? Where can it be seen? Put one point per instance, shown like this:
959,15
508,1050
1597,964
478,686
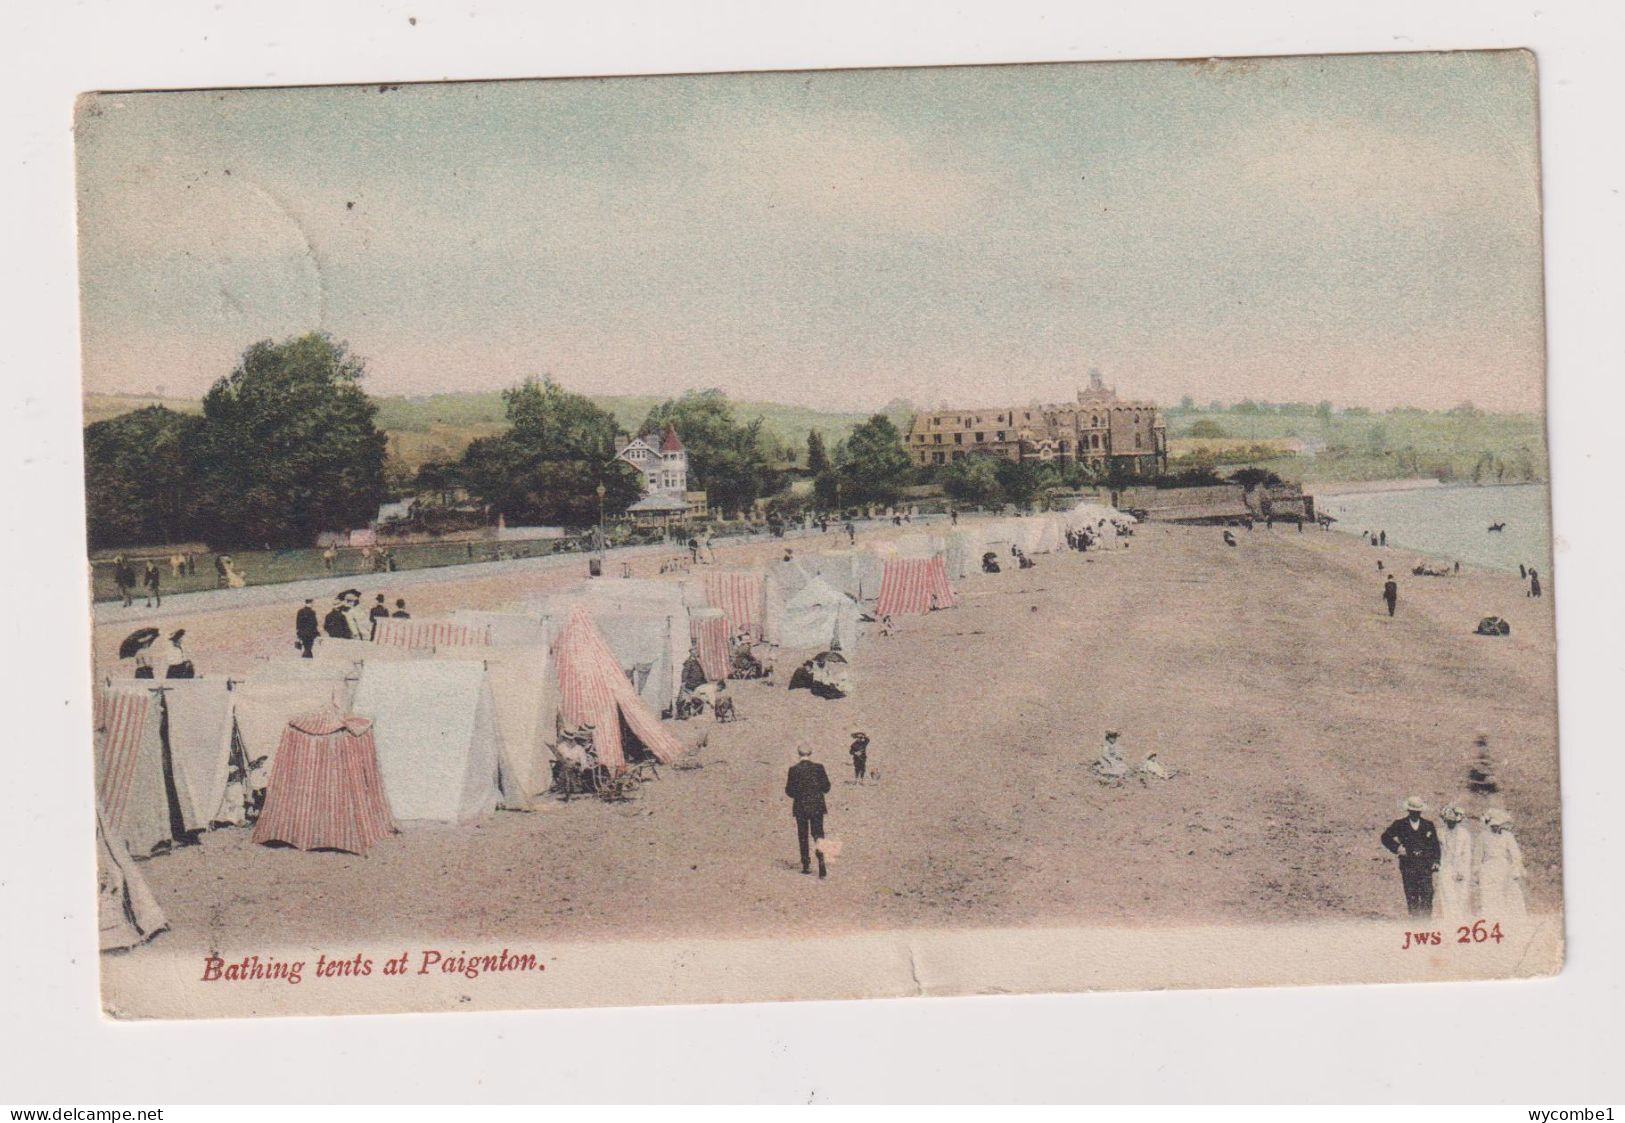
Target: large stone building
1099,429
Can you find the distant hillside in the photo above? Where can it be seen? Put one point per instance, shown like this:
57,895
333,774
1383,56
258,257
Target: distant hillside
440,426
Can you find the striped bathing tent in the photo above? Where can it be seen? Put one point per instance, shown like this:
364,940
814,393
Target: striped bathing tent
708,630
910,586
325,790
429,633
593,690
740,597
164,752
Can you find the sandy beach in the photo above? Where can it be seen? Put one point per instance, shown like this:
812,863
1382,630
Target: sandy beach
1297,713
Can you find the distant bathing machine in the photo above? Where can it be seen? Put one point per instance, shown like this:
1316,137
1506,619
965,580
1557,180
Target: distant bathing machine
1099,429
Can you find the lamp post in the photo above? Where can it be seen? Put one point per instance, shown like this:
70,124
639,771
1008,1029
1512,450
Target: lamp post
602,536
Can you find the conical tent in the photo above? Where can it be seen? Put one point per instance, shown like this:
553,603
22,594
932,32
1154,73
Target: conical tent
647,635
817,615
592,690
264,704
435,727
326,792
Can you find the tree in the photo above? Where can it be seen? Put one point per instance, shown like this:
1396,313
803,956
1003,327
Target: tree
872,463
547,468
140,486
827,490
1206,427
732,461
972,481
1022,480
289,446
817,457
1187,403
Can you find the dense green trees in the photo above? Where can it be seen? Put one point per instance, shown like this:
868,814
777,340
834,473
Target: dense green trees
817,455
871,464
289,446
972,482
546,469
286,447
140,484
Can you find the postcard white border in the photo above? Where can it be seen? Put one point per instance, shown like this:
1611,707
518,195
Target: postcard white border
1541,1041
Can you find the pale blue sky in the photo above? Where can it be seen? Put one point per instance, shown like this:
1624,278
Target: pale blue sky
1361,228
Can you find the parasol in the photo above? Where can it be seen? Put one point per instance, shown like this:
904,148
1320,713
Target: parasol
135,641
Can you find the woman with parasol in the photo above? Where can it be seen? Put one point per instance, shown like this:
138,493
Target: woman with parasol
135,647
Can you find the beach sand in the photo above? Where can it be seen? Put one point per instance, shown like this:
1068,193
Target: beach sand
1298,715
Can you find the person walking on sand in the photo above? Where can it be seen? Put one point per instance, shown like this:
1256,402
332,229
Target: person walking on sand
1453,888
1416,843
337,624
306,628
1390,593
379,611
1382,538
860,756
1500,869
806,786
219,571
124,578
150,580
1534,583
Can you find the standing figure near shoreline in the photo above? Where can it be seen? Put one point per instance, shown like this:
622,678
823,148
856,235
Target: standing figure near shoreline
1500,869
1416,843
1534,583
1453,888
1390,593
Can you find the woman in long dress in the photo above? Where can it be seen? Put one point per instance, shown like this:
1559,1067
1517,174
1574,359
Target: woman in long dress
1500,870
1453,886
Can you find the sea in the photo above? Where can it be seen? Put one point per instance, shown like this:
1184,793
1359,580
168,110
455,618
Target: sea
1452,522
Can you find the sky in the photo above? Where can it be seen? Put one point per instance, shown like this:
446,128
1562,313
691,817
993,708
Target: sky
1363,229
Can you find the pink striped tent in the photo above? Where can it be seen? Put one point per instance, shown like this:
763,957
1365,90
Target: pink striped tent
593,689
424,634
708,629
325,788
144,808
908,585
741,598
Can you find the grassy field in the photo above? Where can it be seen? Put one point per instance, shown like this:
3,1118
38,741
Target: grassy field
441,426
1356,445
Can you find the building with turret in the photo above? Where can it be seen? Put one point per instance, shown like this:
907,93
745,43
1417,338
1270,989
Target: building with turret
662,461
1099,429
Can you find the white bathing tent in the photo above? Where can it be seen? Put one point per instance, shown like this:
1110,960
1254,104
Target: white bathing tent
524,697
817,615
434,724
127,914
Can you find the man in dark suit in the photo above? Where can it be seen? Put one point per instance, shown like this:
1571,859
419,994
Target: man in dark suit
1416,842
306,629
806,786
380,611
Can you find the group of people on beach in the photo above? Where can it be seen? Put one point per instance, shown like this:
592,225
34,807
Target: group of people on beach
344,620
1445,872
